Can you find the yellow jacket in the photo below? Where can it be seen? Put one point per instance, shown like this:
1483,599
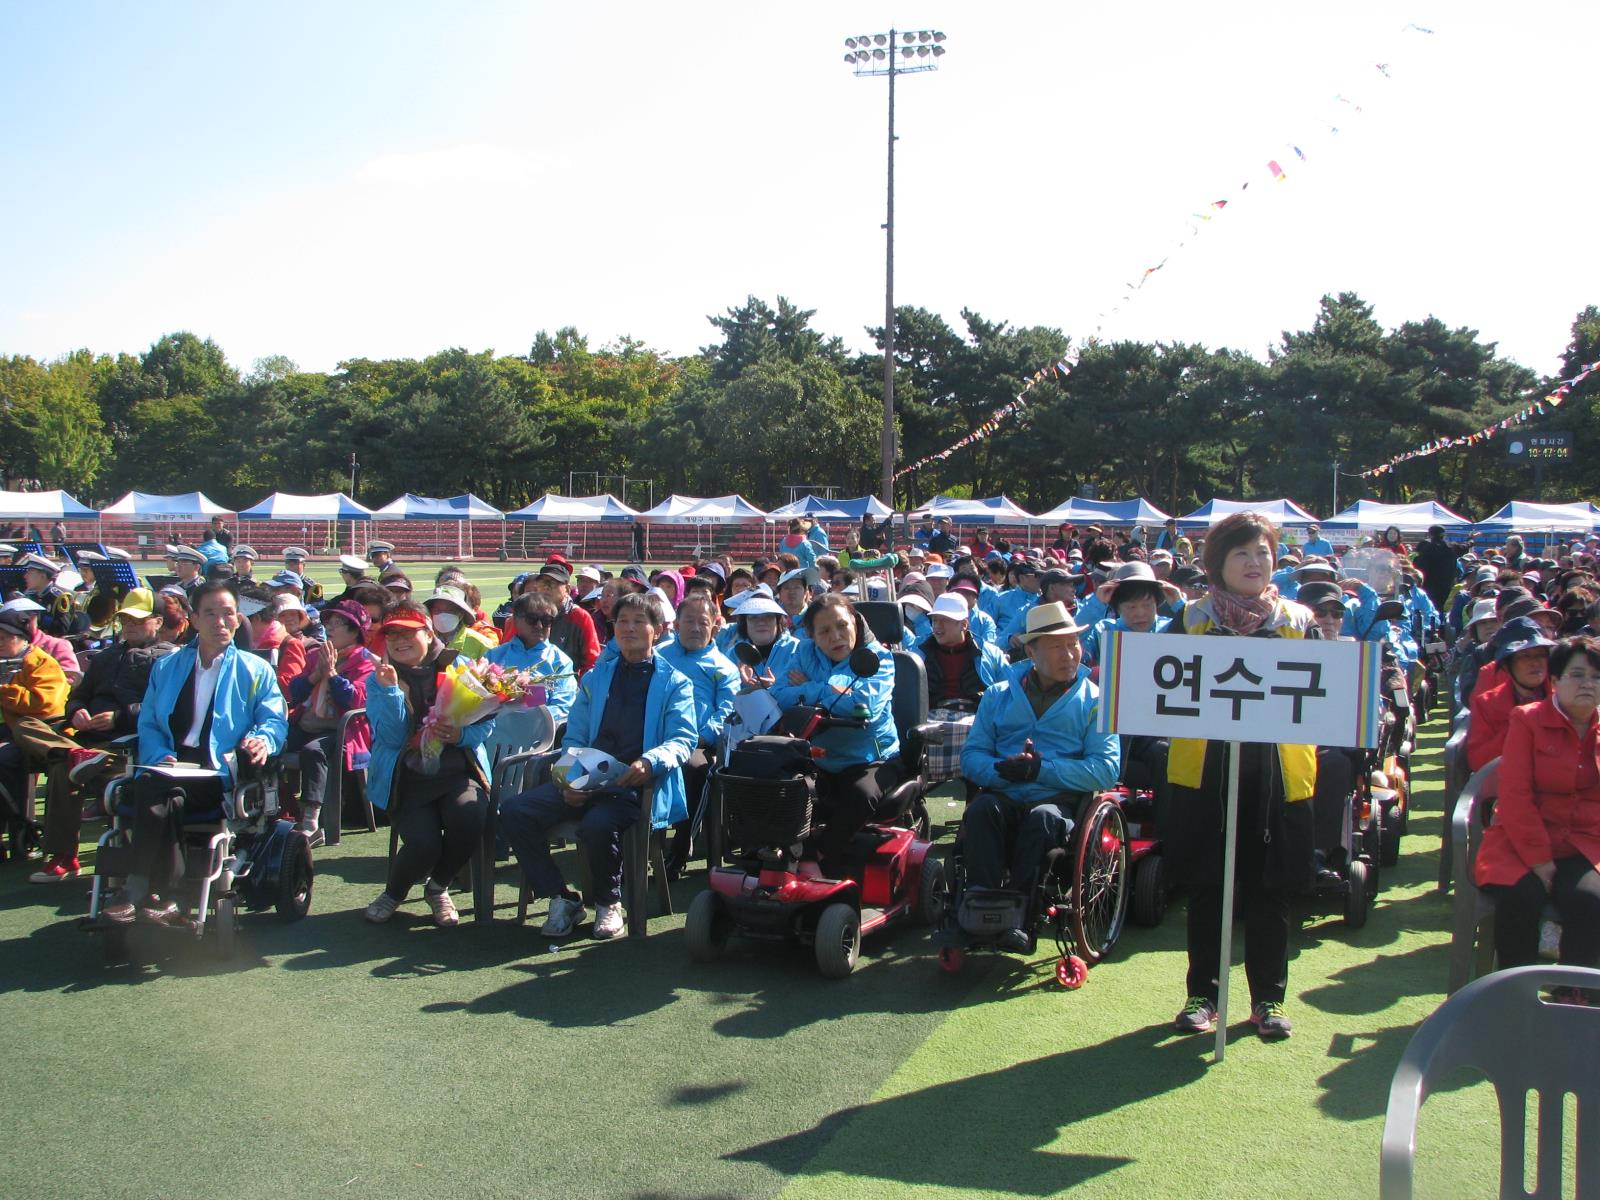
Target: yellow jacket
1186,757
39,688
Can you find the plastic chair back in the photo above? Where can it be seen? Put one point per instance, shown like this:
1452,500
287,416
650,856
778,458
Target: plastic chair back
519,730
1455,779
1466,836
1501,1027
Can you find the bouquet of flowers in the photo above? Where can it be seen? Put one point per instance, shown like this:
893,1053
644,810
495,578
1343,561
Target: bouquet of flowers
470,692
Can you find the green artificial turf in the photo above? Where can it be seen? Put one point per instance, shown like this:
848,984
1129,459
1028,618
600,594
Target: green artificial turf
332,1058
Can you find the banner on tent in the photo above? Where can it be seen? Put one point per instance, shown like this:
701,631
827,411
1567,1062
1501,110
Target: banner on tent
1230,689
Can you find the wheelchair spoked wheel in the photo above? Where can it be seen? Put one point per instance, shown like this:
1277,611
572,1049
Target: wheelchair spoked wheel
1100,881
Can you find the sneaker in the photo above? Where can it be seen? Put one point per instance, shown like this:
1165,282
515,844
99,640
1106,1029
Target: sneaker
1199,1015
58,870
1270,1022
607,920
444,908
564,915
81,764
381,909
314,835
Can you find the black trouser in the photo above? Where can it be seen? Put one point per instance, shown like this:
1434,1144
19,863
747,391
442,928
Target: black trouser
440,821
1265,909
849,799
159,805
997,833
1519,906
315,749
694,782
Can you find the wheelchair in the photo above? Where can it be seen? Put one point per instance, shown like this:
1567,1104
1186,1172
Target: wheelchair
244,854
1348,862
1082,899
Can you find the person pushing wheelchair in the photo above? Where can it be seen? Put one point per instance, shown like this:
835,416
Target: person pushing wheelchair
1033,752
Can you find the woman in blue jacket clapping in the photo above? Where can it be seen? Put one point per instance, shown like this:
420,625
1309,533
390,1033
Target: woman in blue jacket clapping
858,767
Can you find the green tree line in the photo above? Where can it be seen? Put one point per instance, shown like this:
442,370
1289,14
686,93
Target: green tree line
774,402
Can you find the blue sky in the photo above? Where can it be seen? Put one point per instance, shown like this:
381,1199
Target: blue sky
359,179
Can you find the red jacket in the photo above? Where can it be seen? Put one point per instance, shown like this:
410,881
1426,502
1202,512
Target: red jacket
1491,715
1549,805
573,633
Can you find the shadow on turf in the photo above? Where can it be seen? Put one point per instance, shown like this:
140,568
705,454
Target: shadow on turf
988,1132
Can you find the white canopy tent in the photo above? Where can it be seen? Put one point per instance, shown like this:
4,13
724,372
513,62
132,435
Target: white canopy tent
1371,515
582,511
310,510
43,506
1280,512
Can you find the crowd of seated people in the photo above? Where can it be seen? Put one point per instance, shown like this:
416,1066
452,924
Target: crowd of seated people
649,664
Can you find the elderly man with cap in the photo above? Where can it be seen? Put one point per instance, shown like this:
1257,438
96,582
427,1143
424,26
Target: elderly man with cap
103,706
1315,543
244,562
1134,596
639,710
959,669
1033,752
573,632
943,540
452,618
968,588
205,703
381,555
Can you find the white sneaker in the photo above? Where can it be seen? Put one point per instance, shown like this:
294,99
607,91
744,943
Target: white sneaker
444,908
564,915
607,920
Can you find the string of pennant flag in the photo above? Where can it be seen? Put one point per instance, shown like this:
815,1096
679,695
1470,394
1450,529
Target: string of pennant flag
1549,402
1198,220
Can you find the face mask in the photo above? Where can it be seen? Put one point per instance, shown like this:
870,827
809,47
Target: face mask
446,622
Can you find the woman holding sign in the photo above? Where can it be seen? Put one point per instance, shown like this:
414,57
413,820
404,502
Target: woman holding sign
1275,832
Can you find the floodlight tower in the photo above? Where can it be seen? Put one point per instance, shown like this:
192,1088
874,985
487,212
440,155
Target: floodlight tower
893,53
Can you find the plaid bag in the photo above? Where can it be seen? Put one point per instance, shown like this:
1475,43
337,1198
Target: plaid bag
940,763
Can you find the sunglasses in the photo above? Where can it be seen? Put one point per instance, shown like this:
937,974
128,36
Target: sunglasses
535,620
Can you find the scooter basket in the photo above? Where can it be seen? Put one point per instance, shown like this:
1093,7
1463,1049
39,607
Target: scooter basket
767,812
989,912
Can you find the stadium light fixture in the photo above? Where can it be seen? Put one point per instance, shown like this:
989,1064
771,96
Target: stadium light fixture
920,50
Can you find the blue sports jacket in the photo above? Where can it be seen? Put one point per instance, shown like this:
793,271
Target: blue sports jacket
247,703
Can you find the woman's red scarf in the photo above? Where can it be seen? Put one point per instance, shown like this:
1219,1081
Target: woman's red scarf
1243,614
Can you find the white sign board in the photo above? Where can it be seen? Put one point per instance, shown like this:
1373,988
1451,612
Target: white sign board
1241,689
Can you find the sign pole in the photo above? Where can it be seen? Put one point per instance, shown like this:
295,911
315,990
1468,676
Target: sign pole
1230,837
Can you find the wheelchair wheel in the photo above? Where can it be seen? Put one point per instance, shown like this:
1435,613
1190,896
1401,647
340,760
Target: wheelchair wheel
1071,972
1357,897
952,959
225,921
295,880
838,940
707,928
1149,891
930,893
1393,827
1100,880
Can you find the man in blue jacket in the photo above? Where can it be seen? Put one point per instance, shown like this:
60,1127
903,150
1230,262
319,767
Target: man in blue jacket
716,685
640,711
1033,750
204,702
